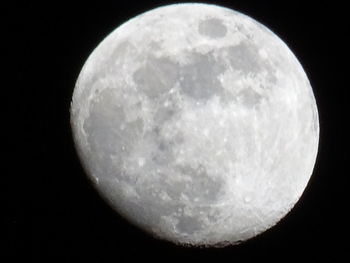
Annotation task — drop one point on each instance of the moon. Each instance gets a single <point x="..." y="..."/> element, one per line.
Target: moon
<point x="196" y="123"/>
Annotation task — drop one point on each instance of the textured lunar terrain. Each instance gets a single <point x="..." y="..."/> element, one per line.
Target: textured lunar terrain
<point x="196" y="123"/>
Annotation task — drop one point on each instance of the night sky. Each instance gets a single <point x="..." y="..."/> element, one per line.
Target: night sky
<point x="52" y="213"/>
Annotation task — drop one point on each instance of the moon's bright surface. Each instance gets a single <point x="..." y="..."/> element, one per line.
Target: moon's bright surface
<point x="196" y="123"/>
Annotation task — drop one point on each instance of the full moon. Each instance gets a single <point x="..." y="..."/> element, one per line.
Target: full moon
<point x="196" y="123"/>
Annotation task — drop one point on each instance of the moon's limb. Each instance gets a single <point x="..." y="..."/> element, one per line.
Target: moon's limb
<point x="196" y="123"/>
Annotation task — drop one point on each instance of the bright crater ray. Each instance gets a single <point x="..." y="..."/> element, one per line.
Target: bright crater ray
<point x="196" y="123"/>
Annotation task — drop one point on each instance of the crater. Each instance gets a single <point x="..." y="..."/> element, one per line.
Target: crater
<point x="213" y="28"/>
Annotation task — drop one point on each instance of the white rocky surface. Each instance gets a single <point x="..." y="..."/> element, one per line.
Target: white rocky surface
<point x="196" y="123"/>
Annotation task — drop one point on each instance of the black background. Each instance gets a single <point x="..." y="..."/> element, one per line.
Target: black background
<point x="53" y="212"/>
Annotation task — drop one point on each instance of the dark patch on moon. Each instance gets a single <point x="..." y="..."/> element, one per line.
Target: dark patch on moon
<point x="203" y="187"/>
<point x="199" y="79"/>
<point x="249" y="98"/>
<point x="157" y="76"/>
<point x="167" y="108"/>
<point x="212" y="27"/>
<point x="161" y="152"/>
<point x="188" y="225"/>
<point x="106" y="127"/>
<point x="244" y="57"/>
